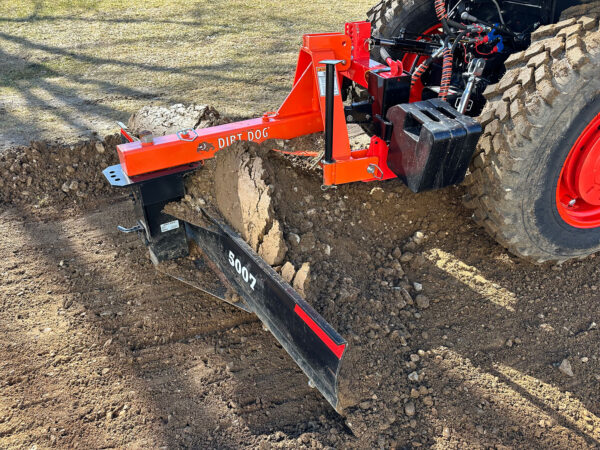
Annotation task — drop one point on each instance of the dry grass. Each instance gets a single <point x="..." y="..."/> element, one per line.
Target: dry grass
<point x="67" y="67"/>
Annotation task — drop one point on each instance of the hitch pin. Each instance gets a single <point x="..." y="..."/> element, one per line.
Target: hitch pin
<point x="376" y="171"/>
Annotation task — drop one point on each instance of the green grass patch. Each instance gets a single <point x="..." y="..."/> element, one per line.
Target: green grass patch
<point x="237" y="55"/>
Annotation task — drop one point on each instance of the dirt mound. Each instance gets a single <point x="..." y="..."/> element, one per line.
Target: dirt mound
<point x="52" y="173"/>
<point x="47" y="173"/>
<point x="161" y="120"/>
<point x="340" y="249"/>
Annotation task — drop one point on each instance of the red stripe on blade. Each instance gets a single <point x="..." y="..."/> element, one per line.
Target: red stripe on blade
<point x="338" y="350"/>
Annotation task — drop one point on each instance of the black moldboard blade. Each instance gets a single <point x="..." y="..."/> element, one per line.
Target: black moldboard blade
<point x="315" y="346"/>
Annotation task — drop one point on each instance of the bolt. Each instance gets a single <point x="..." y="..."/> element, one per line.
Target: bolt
<point x="572" y="202"/>
<point x="146" y="137"/>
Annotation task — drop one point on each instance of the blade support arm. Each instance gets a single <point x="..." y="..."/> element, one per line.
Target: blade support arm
<point x="164" y="152"/>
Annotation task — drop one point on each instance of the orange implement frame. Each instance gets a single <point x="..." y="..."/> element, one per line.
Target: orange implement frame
<point x="302" y="113"/>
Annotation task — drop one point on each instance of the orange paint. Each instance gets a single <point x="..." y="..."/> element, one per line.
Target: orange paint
<point x="302" y="113"/>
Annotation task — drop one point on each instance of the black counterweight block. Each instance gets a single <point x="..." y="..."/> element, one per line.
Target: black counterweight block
<point x="432" y="144"/>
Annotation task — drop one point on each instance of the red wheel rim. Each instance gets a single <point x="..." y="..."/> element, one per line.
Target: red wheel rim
<point x="578" y="190"/>
<point x="411" y="61"/>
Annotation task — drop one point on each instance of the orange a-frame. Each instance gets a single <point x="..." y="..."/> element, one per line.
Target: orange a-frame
<point x="303" y="112"/>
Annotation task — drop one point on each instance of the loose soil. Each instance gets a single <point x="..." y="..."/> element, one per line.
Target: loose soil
<point x="455" y="343"/>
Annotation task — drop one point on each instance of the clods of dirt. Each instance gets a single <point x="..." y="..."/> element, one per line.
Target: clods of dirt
<point x="453" y="343"/>
<point x="161" y="121"/>
<point x="54" y="173"/>
<point x="245" y="200"/>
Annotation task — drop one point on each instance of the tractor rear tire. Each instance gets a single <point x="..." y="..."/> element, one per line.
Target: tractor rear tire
<point x="533" y="117"/>
<point x="388" y="17"/>
<point x="590" y="8"/>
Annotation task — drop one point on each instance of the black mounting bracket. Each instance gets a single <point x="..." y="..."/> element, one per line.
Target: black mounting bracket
<point x="164" y="235"/>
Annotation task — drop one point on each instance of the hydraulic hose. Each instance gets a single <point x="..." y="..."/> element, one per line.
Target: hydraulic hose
<point x="446" y="74"/>
<point x="419" y="71"/>
<point x="442" y="15"/>
<point x="384" y="53"/>
<point x="440" y="10"/>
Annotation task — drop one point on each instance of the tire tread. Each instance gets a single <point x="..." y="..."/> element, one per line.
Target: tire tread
<point x="512" y="131"/>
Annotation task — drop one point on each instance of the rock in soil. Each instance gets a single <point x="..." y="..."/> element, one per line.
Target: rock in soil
<point x="565" y="367"/>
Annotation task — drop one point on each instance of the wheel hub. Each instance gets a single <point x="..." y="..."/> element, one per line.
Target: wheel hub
<point x="589" y="175"/>
<point x="578" y="190"/>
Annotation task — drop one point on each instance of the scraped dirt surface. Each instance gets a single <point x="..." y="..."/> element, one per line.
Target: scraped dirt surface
<point x="455" y="343"/>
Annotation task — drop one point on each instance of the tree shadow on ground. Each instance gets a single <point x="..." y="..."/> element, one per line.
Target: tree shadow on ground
<point x="501" y="326"/>
<point x="199" y="374"/>
<point x="56" y="97"/>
